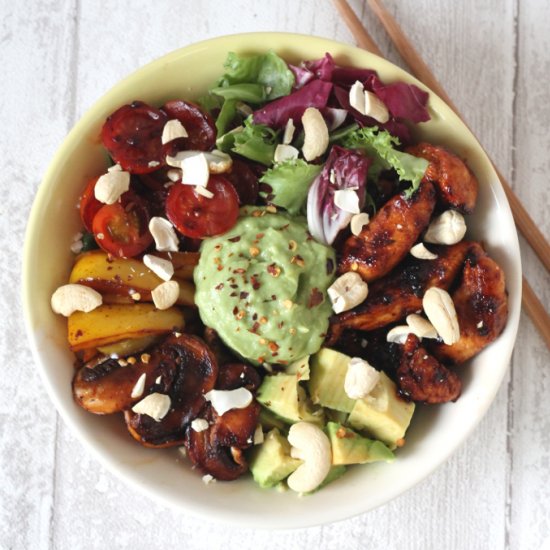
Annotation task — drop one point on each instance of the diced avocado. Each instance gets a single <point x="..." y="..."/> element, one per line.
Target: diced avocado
<point x="268" y="420"/>
<point x="334" y="473"/>
<point x="271" y="462"/>
<point x="326" y="384"/>
<point x="382" y="414"/>
<point x="300" y="368"/>
<point x="283" y="396"/>
<point x="348" y="447"/>
<point x="336" y="416"/>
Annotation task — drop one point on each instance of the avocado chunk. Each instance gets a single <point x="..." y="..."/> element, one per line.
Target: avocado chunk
<point x="300" y="368"/>
<point x="334" y="473"/>
<point x="282" y="395"/>
<point x="348" y="447"/>
<point x="271" y="462"/>
<point x="382" y="414"/>
<point x="326" y="383"/>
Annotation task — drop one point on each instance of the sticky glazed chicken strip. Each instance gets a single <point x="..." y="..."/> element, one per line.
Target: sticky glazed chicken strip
<point x="481" y="305"/>
<point x="389" y="236"/>
<point x="455" y="184"/>
<point x="399" y="294"/>
<point x="421" y="377"/>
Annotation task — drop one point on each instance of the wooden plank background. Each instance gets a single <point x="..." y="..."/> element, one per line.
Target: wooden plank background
<point x="58" y="57"/>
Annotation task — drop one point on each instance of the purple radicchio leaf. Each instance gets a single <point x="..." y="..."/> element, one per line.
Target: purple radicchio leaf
<point x="404" y="101"/>
<point x="276" y="114"/>
<point x="344" y="169"/>
<point x="322" y="68"/>
<point x="302" y="76"/>
<point x="394" y="127"/>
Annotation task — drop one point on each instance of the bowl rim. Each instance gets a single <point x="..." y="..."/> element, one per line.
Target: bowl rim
<point x="233" y="517"/>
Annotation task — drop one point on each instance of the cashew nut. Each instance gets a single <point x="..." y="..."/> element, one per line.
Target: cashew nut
<point x="155" y="405"/>
<point x="361" y="378"/>
<point x="347" y="200"/>
<point x="310" y="444"/>
<point x="285" y="152"/>
<point x="172" y="130"/>
<point x="358" y="222"/>
<point x="422" y="253"/>
<point x="348" y="291"/>
<point x="166" y="294"/>
<point x="164" y="234"/>
<point x="398" y="334"/>
<point x="315" y="134"/>
<point x="110" y="186"/>
<point x="440" y="309"/>
<point x="225" y="400"/>
<point x="375" y="108"/>
<point x="289" y="132"/>
<point x="448" y="228"/>
<point x="420" y="326"/>
<point x="159" y="266"/>
<point x="73" y="297"/>
<point x="218" y="162"/>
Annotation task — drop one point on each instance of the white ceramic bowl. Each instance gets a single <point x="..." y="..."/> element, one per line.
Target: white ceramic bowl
<point x="435" y="431"/>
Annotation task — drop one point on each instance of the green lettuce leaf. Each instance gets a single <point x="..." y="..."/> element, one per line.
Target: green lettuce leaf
<point x="268" y="70"/>
<point x="379" y="146"/>
<point x="210" y="102"/>
<point x="290" y="181"/>
<point x="226" y="115"/>
<point x="254" y="141"/>
<point x="247" y="92"/>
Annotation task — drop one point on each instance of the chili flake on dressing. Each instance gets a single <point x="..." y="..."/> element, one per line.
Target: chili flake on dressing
<point x="272" y="272"/>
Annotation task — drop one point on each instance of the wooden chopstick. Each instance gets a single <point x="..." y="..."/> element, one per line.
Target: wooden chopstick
<point x="409" y="54"/>
<point x="531" y="304"/>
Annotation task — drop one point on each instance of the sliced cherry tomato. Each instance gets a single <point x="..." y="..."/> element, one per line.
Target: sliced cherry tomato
<point x="199" y="125"/>
<point x="245" y="182"/>
<point x="132" y="135"/>
<point x="89" y="205"/>
<point x="196" y="216"/>
<point x="121" y="229"/>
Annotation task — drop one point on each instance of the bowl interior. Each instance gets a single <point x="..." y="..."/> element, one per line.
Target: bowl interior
<point x="435" y="432"/>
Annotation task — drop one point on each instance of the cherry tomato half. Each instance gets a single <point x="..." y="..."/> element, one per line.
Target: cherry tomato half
<point x="121" y="229"/>
<point x="89" y="205"/>
<point x="132" y="135"/>
<point x="196" y="216"/>
<point x="200" y="127"/>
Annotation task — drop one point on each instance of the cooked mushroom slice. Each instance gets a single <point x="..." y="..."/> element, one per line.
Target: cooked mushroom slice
<point x="103" y="386"/>
<point x="217" y="346"/>
<point x="455" y="184"/>
<point x="396" y="296"/>
<point x="236" y="427"/>
<point x="235" y="375"/>
<point x="481" y="305"/>
<point x="421" y="377"/>
<point x="186" y="370"/>
<point x="209" y="450"/>
<point x="389" y="236"/>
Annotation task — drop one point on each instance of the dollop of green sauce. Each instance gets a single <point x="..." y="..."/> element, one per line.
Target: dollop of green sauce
<point x="263" y="287"/>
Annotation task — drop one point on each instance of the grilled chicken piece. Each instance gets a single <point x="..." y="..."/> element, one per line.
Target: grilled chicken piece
<point x="481" y="305"/>
<point x="421" y="377"/>
<point x="387" y="239"/>
<point x="455" y="184"/>
<point x="399" y="294"/>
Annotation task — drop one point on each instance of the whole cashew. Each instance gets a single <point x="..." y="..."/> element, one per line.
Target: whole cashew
<point x="310" y="444"/>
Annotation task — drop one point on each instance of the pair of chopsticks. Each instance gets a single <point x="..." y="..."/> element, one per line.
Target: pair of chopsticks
<point x="531" y="304"/>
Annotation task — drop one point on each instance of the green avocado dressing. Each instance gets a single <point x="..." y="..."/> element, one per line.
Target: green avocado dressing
<point x="262" y="286"/>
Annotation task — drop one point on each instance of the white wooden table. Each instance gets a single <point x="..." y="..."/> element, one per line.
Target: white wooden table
<point x="58" y="57"/>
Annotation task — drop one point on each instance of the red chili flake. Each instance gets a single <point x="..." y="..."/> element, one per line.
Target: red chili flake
<point x="235" y="239"/>
<point x="109" y="267"/>
<point x="259" y="235"/>
<point x="233" y="294"/>
<point x="261" y="359"/>
<point x="239" y="270"/>
<point x="235" y="310"/>
<point x="274" y="270"/>
<point x="243" y="295"/>
<point x="218" y="247"/>
<point x="219" y="287"/>
<point x="255" y="316"/>
<point x="78" y="333"/>
<point x="283" y="227"/>
<point x="316" y="297"/>
<point x="273" y="347"/>
<point x="255" y="327"/>
<point x="240" y="315"/>
<point x="281" y="324"/>
<point x="220" y="267"/>
<point x="255" y="283"/>
<point x="233" y="286"/>
<point x="298" y="260"/>
<point x="117" y="278"/>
